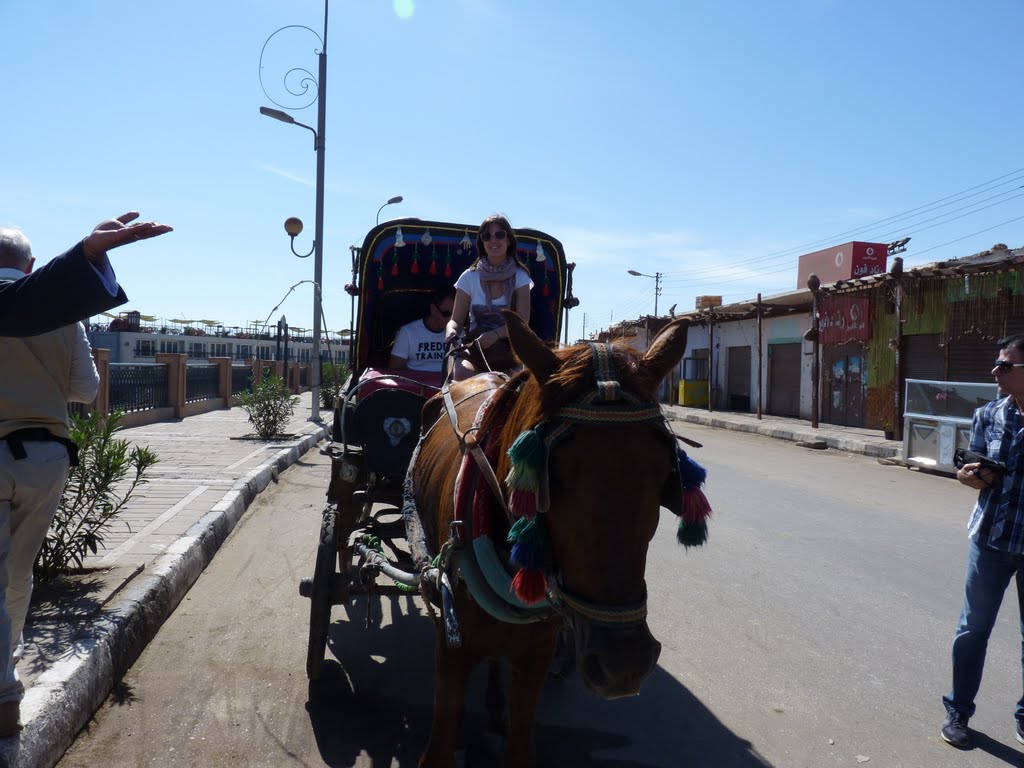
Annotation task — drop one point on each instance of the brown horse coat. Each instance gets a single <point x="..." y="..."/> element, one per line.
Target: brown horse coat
<point x="605" y="482"/>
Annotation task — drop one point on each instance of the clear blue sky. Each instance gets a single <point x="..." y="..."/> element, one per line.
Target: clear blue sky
<point x="710" y="141"/>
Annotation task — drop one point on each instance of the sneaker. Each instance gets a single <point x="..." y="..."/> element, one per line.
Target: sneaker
<point x="10" y="718"/>
<point x="1020" y="732"/>
<point x="954" y="731"/>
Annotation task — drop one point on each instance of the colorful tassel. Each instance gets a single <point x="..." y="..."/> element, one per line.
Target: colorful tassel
<point x="523" y="503"/>
<point x="529" y="586"/>
<point x="691" y="474"/>
<point x="528" y="449"/>
<point x="696" y="507"/>
<point x="692" y="534"/>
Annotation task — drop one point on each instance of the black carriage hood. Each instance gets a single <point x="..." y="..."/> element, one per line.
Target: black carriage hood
<point x="403" y="261"/>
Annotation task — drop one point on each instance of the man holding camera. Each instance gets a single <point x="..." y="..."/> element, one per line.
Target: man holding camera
<point x="996" y="532"/>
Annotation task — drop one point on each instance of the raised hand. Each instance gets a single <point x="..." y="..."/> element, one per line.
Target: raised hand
<point x="113" y="233"/>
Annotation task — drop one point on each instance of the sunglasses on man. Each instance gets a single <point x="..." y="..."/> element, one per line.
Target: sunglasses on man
<point x="1006" y="365"/>
<point x="499" y="234"/>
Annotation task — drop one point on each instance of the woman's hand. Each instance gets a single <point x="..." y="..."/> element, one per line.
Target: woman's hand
<point x="488" y="339"/>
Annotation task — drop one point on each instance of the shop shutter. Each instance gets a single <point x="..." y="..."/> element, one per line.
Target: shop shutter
<point x="923" y="358"/>
<point x="971" y="361"/>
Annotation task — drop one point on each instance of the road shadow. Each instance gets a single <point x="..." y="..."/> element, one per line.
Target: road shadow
<point x="374" y="697"/>
<point x="1004" y="752"/>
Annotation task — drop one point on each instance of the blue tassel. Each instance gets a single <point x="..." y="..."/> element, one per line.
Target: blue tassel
<point x="691" y="474"/>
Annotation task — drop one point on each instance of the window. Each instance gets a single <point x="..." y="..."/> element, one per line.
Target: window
<point x="196" y="350"/>
<point x="174" y="347"/>
<point x="145" y="348"/>
<point x="243" y="351"/>
<point x="218" y="349"/>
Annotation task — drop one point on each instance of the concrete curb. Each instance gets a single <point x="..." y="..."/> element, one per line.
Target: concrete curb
<point x="63" y="699"/>
<point x="850" y="445"/>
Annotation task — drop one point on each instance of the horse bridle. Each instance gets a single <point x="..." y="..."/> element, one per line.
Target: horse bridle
<point x="606" y="404"/>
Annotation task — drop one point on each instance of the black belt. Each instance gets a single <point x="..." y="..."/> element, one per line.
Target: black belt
<point x="15" y="441"/>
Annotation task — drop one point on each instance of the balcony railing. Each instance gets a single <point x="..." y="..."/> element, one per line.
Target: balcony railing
<point x="137" y="386"/>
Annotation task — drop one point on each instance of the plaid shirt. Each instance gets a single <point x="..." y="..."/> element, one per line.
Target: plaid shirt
<point x="998" y="516"/>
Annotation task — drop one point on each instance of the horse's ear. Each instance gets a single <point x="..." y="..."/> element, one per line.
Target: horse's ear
<point x="533" y="352"/>
<point x="666" y="350"/>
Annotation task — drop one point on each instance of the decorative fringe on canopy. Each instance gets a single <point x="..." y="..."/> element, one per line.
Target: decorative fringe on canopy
<point x="693" y="525"/>
<point x="531" y="548"/>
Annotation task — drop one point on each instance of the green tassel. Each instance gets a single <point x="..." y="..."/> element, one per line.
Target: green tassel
<point x="692" y="534"/>
<point x="528" y="449"/>
<point x="523" y="478"/>
<point x="527" y="530"/>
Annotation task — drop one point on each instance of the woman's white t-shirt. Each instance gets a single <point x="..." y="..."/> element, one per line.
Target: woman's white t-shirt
<point x="479" y="317"/>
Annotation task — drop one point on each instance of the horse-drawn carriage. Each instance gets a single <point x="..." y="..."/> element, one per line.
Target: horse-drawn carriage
<point x="516" y="506"/>
<point x="377" y="420"/>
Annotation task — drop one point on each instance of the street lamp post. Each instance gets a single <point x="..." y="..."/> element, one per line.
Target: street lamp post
<point x="318" y="236"/>
<point x="391" y="201"/>
<point x="656" y="277"/>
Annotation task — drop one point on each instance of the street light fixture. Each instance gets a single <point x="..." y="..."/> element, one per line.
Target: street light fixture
<point x="296" y="225"/>
<point x="656" y="277"/>
<point x="392" y="201"/>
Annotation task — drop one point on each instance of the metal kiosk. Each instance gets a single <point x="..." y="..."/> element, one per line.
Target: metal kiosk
<point x="937" y="420"/>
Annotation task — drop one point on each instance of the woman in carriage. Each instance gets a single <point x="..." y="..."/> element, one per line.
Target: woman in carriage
<point x="496" y="280"/>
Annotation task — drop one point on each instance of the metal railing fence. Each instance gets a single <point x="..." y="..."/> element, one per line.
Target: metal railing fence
<point x="137" y="386"/>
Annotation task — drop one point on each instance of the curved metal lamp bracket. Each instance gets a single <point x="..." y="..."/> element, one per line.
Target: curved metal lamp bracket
<point x="298" y="81"/>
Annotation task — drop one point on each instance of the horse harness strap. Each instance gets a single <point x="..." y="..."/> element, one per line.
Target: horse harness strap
<point x="469" y="441"/>
<point x="16" y="442"/>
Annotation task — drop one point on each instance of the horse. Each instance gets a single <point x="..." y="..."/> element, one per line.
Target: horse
<point x="580" y="442"/>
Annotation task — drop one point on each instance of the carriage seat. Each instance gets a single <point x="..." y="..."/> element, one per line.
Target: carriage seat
<point x="383" y="378"/>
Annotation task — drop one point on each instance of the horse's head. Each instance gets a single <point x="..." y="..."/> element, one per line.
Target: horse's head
<point x="608" y="469"/>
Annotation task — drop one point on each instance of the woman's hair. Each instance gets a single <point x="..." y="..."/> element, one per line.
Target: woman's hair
<point x="510" y="237"/>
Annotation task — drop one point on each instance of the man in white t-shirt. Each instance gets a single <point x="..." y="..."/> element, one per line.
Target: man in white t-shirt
<point x="419" y="345"/>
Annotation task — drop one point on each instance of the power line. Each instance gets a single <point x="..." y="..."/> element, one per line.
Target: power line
<point x="934" y="205"/>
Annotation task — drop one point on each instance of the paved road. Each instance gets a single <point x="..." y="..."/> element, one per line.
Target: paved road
<point x="813" y="631"/>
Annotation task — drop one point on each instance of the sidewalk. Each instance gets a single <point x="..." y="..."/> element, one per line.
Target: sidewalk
<point x="869" y="442"/>
<point x="78" y="645"/>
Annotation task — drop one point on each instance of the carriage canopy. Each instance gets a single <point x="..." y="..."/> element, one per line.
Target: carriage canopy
<point x="403" y="261"/>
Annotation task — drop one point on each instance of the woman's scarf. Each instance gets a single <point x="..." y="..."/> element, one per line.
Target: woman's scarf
<point x="504" y="274"/>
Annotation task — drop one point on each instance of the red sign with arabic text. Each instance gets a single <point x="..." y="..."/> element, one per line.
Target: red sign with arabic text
<point x="844" y="318"/>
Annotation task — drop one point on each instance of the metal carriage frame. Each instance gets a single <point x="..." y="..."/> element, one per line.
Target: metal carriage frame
<point x="395" y="272"/>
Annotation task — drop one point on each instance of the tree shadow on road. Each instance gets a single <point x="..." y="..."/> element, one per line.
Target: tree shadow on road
<point x="374" y="698"/>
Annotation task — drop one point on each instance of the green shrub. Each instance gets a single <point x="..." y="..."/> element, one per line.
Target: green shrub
<point x="91" y="500"/>
<point x="269" y="404"/>
<point x="334" y="376"/>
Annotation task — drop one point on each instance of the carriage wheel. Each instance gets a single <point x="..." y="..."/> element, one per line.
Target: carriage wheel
<point x="321" y="592"/>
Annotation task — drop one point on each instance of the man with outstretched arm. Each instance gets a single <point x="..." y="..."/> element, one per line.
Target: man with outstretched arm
<point x="74" y="286"/>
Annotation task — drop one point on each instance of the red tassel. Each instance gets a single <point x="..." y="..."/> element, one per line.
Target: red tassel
<point x="523" y="504"/>
<point x="433" y="268"/>
<point x="546" y="291"/>
<point x="447" y="270"/>
<point x="529" y="586"/>
<point x="380" y="283"/>
<point x="394" y="269"/>
<point x="696" y="507"/>
<point x="415" y="268"/>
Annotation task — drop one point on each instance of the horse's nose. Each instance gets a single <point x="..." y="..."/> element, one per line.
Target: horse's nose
<point x="616" y="662"/>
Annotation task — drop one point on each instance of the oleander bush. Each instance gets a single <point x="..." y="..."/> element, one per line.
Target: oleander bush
<point x="94" y="494"/>
<point x="333" y="378"/>
<point x="269" y="404"/>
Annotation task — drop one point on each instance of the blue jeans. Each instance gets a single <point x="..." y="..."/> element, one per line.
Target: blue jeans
<point x="988" y="575"/>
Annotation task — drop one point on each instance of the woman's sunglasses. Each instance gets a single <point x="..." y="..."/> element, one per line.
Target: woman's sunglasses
<point x="1006" y="365"/>
<point x="499" y="234"/>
